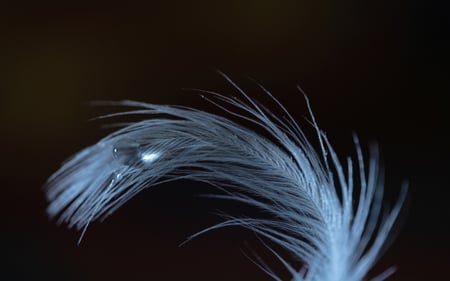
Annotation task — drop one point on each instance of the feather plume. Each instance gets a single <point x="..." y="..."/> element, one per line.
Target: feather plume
<point x="317" y="214"/>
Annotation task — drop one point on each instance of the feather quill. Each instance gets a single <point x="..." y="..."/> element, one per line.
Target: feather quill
<point x="317" y="214"/>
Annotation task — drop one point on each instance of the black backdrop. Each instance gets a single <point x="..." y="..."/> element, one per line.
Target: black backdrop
<point x="377" y="68"/>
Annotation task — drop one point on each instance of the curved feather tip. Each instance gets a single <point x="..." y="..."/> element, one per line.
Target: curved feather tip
<point x="319" y="216"/>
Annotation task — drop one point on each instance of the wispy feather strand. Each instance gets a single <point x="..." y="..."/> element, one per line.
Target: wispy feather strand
<point x="309" y="195"/>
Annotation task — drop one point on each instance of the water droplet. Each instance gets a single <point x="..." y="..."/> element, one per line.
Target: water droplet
<point x="126" y="151"/>
<point x="115" y="177"/>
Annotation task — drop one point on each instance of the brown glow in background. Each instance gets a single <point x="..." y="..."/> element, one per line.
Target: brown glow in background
<point x="377" y="68"/>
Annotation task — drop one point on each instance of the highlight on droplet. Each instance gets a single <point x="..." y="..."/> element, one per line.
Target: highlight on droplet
<point x="149" y="156"/>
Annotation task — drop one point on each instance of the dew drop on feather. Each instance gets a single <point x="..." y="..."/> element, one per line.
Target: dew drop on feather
<point x="126" y="151"/>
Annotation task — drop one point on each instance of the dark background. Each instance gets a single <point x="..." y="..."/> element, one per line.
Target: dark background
<point x="377" y="68"/>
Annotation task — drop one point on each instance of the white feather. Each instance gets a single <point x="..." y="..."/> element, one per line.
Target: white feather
<point x="311" y="200"/>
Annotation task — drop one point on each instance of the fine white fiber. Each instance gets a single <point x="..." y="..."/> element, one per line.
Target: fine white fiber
<point x="326" y="214"/>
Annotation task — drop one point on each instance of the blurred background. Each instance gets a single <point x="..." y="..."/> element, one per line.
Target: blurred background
<point x="377" y="68"/>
